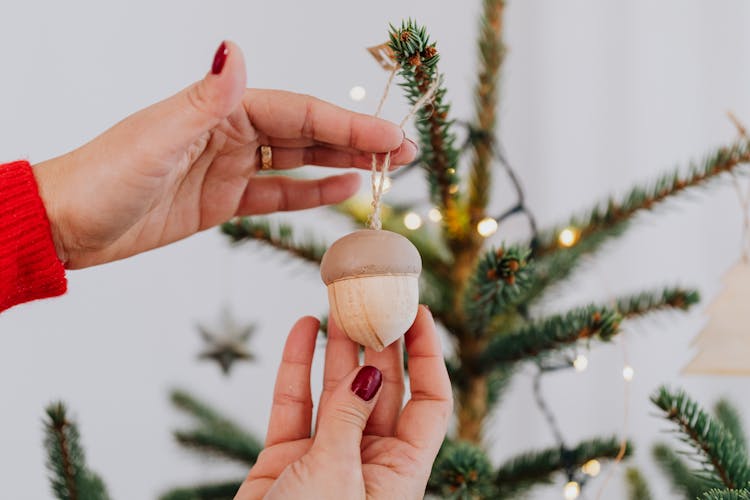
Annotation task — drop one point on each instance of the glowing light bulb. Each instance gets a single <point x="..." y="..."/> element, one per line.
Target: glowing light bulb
<point x="592" y="468"/>
<point x="580" y="363"/>
<point x="628" y="373"/>
<point x="435" y="215"/>
<point x="568" y="237"/>
<point x="412" y="221"/>
<point x="453" y="189"/>
<point x="357" y="93"/>
<point x="571" y="490"/>
<point x="487" y="226"/>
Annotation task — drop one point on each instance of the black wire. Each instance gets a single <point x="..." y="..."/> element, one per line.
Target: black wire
<point x="520" y="194"/>
<point x="509" y="213"/>
<point x="544" y="408"/>
<point x="476" y="135"/>
<point x="567" y="457"/>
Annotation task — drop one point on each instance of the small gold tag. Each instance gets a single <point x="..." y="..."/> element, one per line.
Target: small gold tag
<point x="384" y="56"/>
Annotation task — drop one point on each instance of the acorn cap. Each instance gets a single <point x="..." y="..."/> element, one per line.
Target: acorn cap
<point x="370" y="252"/>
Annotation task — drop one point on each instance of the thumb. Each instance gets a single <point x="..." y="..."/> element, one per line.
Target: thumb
<point x="187" y="115"/>
<point x="345" y="414"/>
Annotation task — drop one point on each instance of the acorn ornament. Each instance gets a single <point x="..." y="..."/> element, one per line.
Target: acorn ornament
<point x="373" y="285"/>
<point x="372" y="275"/>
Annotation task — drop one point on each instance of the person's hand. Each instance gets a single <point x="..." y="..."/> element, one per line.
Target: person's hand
<point x="365" y="446"/>
<point x="188" y="163"/>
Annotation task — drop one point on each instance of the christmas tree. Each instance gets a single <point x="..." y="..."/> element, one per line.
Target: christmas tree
<point x="486" y="298"/>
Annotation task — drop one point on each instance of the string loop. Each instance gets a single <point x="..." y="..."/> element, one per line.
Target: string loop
<point x="379" y="173"/>
<point x="744" y="199"/>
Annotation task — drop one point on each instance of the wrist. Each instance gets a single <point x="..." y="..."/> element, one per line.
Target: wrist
<point x="47" y="175"/>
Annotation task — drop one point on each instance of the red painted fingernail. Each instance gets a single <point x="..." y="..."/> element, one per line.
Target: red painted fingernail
<point x="367" y="382"/>
<point x="220" y="58"/>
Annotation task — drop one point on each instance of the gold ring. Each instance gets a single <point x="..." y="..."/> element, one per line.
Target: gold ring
<point x="266" y="158"/>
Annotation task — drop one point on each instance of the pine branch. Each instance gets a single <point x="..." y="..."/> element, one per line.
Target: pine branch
<point x="715" y="447"/>
<point x="496" y="286"/>
<point x="637" y="486"/>
<point x="648" y="302"/>
<point x="543" y="336"/>
<point x="555" y="267"/>
<point x="462" y="471"/>
<point x="689" y="483"/>
<point x="215" y="434"/>
<point x="216" y="491"/>
<point x="491" y="55"/>
<point x="69" y="477"/>
<point x="525" y="471"/>
<point x="613" y="213"/>
<point x="221" y="442"/>
<point x="280" y="236"/>
<point x="206" y="415"/>
<point x="730" y="418"/>
<point x="717" y="494"/>
<point x="497" y="382"/>
<point x="417" y="58"/>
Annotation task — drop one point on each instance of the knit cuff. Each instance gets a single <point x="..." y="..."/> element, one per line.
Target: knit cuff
<point x="29" y="266"/>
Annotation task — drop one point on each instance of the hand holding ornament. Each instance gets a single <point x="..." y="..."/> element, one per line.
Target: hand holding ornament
<point x="190" y="162"/>
<point x="366" y="444"/>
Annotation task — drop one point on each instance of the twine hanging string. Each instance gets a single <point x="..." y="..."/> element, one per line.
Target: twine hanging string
<point x="744" y="199"/>
<point x="743" y="196"/>
<point x="380" y="172"/>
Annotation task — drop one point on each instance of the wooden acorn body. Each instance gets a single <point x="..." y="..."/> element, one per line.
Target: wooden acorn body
<point x="373" y="285"/>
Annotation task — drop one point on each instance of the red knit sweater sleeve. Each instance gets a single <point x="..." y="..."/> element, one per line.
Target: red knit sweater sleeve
<point x="29" y="266"/>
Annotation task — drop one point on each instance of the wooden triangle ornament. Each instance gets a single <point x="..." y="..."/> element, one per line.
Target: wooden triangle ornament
<point x="724" y="343"/>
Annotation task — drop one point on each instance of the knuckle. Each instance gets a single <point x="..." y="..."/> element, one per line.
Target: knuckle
<point x="445" y="410"/>
<point x="330" y="382"/>
<point x="350" y="414"/>
<point x="199" y="100"/>
<point x="308" y="122"/>
<point x="291" y="399"/>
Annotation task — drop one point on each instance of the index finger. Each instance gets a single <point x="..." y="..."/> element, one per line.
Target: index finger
<point x="342" y="356"/>
<point x="424" y="421"/>
<point x="291" y="413"/>
<point x="286" y="115"/>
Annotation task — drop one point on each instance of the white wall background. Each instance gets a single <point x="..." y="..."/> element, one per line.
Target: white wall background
<point x="596" y="95"/>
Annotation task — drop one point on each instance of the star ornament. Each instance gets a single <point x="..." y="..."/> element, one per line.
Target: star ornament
<point x="227" y="344"/>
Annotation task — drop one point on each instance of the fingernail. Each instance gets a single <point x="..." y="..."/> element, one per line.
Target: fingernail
<point x="416" y="146"/>
<point x="367" y="382"/>
<point x="220" y="58"/>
